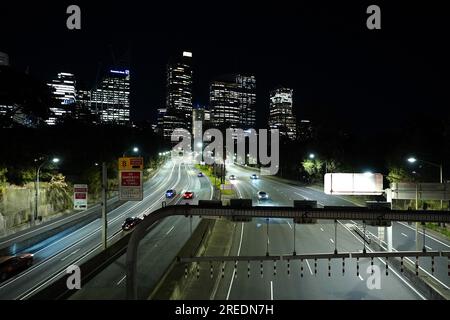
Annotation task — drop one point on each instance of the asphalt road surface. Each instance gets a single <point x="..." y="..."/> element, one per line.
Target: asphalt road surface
<point x="55" y="256"/>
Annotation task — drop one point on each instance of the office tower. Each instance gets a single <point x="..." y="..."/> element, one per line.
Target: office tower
<point x="233" y="101"/>
<point x="179" y="90"/>
<point x="63" y="92"/>
<point x="281" y="116"/>
<point x="111" y="99"/>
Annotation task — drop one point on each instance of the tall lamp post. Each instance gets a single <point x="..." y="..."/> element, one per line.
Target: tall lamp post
<point x="413" y="160"/>
<point x="44" y="162"/>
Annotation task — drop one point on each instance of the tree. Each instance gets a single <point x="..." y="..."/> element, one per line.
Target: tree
<point x="398" y="174"/>
<point x="58" y="194"/>
<point x="313" y="168"/>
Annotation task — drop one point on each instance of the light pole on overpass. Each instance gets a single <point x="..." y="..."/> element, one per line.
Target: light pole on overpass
<point x="45" y="161"/>
<point x="413" y="160"/>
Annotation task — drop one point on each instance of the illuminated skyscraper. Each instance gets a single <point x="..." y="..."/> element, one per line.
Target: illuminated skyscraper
<point x="179" y="87"/>
<point x="233" y="101"/>
<point x="281" y="116"/>
<point x="63" y="91"/>
<point x="111" y="99"/>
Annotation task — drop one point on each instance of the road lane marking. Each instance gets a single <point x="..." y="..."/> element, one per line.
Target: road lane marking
<point x="362" y="279"/>
<point x="405" y="235"/>
<point x="321" y="229"/>
<point x="332" y="241"/>
<point x="438" y="241"/>
<point x="309" y="267"/>
<point x="170" y="230"/>
<point x="238" y="253"/>
<point x="429" y="248"/>
<point x="271" y="290"/>
<point x="381" y="260"/>
<point x="70" y="254"/>
<point x="408" y="259"/>
<point x="290" y="226"/>
<point x="121" y="280"/>
<point x="83" y="238"/>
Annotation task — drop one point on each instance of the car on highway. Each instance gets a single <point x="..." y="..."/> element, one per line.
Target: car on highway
<point x="254" y="177"/>
<point x="130" y="223"/>
<point x="232" y="177"/>
<point x="11" y="265"/>
<point x="262" y="195"/>
<point x="171" y="193"/>
<point x="188" y="195"/>
<point x="200" y="174"/>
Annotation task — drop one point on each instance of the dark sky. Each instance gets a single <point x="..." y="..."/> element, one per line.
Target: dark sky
<point x="323" y="50"/>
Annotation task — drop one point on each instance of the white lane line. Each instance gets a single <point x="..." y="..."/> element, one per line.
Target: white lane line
<point x="238" y="253"/>
<point x="438" y="241"/>
<point x="382" y="261"/>
<point x="170" y="230"/>
<point x="362" y="279"/>
<point x="405" y="235"/>
<point x="70" y="254"/>
<point x="87" y="236"/>
<point x="332" y="241"/>
<point x="408" y="259"/>
<point x="429" y="248"/>
<point x="309" y="267"/>
<point x="271" y="290"/>
<point x="321" y="229"/>
<point x="121" y="280"/>
<point x="290" y="226"/>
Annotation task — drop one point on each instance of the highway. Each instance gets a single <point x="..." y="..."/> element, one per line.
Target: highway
<point x="251" y="239"/>
<point x="163" y="242"/>
<point x="52" y="259"/>
<point x="156" y="251"/>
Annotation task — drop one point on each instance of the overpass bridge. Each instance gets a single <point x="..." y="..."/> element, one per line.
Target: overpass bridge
<point x="301" y="212"/>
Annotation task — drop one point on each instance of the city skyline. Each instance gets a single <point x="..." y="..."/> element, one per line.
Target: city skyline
<point x="310" y="55"/>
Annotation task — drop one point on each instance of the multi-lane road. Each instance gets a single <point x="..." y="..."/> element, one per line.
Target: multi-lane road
<point x="163" y="242"/>
<point x="67" y="248"/>
<point x="251" y="239"/>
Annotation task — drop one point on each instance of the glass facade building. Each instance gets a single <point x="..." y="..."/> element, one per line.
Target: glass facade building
<point x="281" y="115"/>
<point x="233" y="101"/>
<point x="64" y="94"/>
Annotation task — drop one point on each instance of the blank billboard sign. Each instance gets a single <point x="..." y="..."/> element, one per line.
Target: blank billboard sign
<point x="353" y="183"/>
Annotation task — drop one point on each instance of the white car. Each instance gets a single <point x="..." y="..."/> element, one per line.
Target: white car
<point x="262" y="195"/>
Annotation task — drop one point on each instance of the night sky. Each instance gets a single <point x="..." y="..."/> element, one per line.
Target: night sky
<point x="337" y="67"/>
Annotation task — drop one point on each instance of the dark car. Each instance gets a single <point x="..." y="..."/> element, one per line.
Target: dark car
<point x="200" y="174"/>
<point x="188" y="195"/>
<point x="262" y="195"/>
<point x="254" y="177"/>
<point x="130" y="223"/>
<point x="11" y="265"/>
<point x="171" y="193"/>
<point x="232" y="177"/>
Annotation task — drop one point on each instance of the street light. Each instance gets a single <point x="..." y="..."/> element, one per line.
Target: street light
<point x="44" y="162"/>
<point x="134" y="149"/>
<point x="414" y="160"/>
<point x="312" y="156"/>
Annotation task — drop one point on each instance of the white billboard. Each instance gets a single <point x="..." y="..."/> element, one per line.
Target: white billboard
<point x="353" y="183"/>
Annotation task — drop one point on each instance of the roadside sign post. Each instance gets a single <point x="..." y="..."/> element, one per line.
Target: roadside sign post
<point x="130" y="179"/>
<point x="80" y="196"/>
